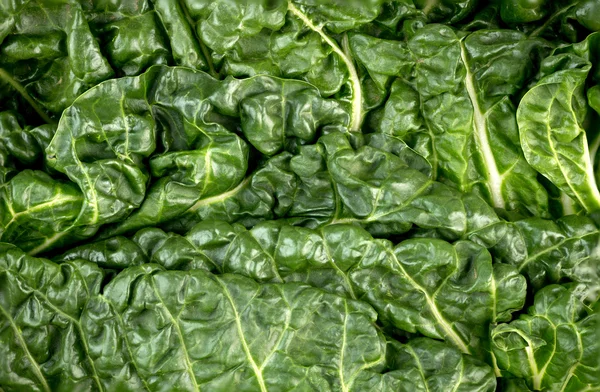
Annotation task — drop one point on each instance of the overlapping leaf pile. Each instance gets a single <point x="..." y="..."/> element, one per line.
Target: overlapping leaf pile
<point x="299" y="195"/>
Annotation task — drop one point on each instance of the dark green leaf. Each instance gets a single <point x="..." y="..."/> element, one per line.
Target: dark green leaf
<point x="555" y="347"/>
<point x="150" y="329"/>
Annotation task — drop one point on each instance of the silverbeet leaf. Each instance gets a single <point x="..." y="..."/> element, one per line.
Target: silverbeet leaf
<point x="151" y="329"/>
<point x="18" y="145"/>
<point x="445" y="11"/>
<point x="545" y="251"/>
<point x="451" y="101"/>
<point x="379" y="191"/>
<point x="449" y="292"/>
<point x="381" y="185"/>
<point x="551" y="123"/>
<point x="428" y="365"/>
<point x="37" y="209"/>
<point x="149" y="148"/>
<point x="555" y="346"/>
<point x="52" y="52"/>
<point x="274" y="115"/>
<point x="567" y="249"/>
<point x="300" y="195"/>
<point x="292" y="39"/>
<point x="131" y="35"/>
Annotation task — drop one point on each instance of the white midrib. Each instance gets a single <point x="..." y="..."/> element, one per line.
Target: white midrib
<point x="567" y="203"/>
<point x="92" y="189"/>
<point x="481" y="136"/>
<point x="434" y="311"/>
<point x="49" y="242"/>
<point x="221" y="197"/>
<point x="41" y="206"/>
<point x="356" y="118"/>
<point x="497" y="370"/>
<point x="126" y="340"/>
<point x="333" y="263"/>
<point x="429" y="4"/>
<point x="594" y="146"/>
<point x="341" y="364"/>
<point x="445" y="326"/>
<point x="240" y="331"/>
<point x="537" y="377"/>
<point x="574" y="366"/>
<point x="590" y="175"/>
<point x="207" y="167"/>
<point x="462" y="373"/>
<point x="530" y="358"/>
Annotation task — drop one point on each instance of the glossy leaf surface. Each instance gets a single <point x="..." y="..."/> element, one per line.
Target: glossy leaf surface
<point x="555" y="345"/>
<point x="452" y="101"/>
<point x="551" y="117"/>
<point x="147" y="329"/>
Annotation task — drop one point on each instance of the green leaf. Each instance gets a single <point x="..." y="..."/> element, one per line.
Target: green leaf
<point x="378" y="190"/>
<point x="135" y="43"/>
<point x="587" y="13"/>
<point x="273" y="114"/>
<point x="149" y="328"/>
<point x="555" y="346"/>
<point x="452" y="103"/>
<point x="568" y="248"/>
<point x="222" y="23"/>
<point x="17" y="145"/>
<point x="62" y="57"/>
<point x="37" y="210"/>
<point x="184" y="131"/>
<point x="428" y="365"/>
<point x="444" y="291"/>
<point x="551" y="116"/>
<point x="383" y="186"/>
<point x="450" y="11"/>
<point x="184" y="45"/>
<point x="519" y="11"/>
<point x="286" y="38"/>
<point x="114" y="253"/>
